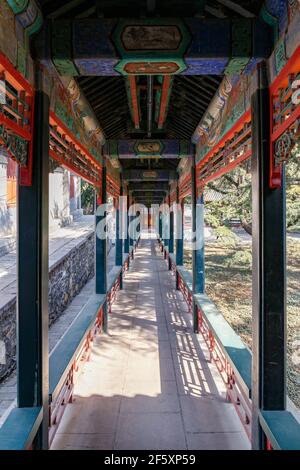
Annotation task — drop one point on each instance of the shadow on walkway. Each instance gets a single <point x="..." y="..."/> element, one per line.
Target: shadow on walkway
<point x="149" y="383"/>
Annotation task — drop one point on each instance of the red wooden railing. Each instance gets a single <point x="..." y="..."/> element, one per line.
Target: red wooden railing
<point x="16" y="117"/>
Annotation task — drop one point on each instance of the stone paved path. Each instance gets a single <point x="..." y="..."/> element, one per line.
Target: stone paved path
<point x="149" y="384"/>
<point x="61" y="242"/>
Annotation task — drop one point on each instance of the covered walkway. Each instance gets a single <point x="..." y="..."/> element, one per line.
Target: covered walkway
<point x="149" y="383"/>
<point x="151" y="104"/>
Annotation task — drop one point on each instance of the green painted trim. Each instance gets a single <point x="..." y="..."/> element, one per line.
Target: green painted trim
<point x="241" y="46"/>
<point x="67" y="348"/>
<point x="238" y="354"/>
<point x="18" y="6"/>
<point x="21" y="59"/>
<point x="184" y="148"/>
<point x="36" y="25"/>
<point x="280" y="55"/>
<point x="270" y="20"/>
<point x="61" y="39"/>
<point x="20" y="428"/>
<point x="113" y="149"/>
<point x="281" y="428"/>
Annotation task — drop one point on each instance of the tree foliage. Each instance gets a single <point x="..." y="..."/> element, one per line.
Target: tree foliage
<point x="234" y="202"/>
<point x="87" y="197"/>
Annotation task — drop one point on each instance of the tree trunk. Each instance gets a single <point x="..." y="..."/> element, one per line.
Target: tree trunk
<point x="247" y="227"/>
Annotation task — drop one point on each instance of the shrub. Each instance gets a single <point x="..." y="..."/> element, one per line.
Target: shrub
<point x="241" y="258"/>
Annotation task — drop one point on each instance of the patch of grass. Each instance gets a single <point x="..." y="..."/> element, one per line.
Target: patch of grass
<point x="229" y="284"/>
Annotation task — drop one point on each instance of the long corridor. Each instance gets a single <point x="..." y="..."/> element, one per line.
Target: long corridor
<point x="149" y="383"/>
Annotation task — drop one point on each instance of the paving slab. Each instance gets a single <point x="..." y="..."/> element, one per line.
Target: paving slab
<point x="149" y="383"/>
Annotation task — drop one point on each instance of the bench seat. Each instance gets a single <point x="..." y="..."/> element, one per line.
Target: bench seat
<point x="236" y="351"/>
<point x="281" y="428"/>
<point x="20" y="428"/>
<point x="186" y="276"/>
<point x="64" y="353"/>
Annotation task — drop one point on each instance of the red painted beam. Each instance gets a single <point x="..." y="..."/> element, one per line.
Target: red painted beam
<point x="134" y="98"/>
<point x="164" y="100"/>
<point x="74" y="169"/>
<point x="56" y="122"/>
<point x="290" y="70"/>
<point x="25" y="94"/>
<point x="226" y="168"/>
<point x="13" y="76"/>
<point x="245" y="118"/>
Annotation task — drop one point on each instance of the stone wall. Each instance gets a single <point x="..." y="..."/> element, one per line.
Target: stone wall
<point x="66" y="278"/>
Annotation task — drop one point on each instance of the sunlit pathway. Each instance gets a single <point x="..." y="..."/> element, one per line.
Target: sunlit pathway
<point x="149" y="384"/>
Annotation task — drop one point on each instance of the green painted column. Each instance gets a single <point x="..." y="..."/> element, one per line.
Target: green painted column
<point x="119" y="239"/>
<point x="166" y="228"/>
<point x="179" y="237"/>
<point x="100" y="250"/>
<point x="138" y="227"/>
<point x="130" y="220"/>
<point x="160" y="225"/>
<point x="171" y="240"/>
<point x="268" y="270"/>
<point x="126" y="219"/>
<point x="198" y="242"/>
<point x="32" y="279"/>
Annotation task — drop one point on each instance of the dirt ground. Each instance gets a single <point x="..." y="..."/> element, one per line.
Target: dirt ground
<point x="228" y="284"/>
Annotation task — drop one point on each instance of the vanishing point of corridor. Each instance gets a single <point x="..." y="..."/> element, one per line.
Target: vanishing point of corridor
<point x="149" y="383"/>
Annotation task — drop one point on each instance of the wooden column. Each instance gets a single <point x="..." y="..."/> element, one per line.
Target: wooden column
<point x="32" y="277"/>
<point x="179" y="238"/>
<point x="101" y="251"/>
<point x="119" y="229"/>
<point x="160" y="225"/>
<point x="126" y="219"/>
<point x="198" y="242"/>
<point x="171" y="240"/>
<point x="166" y="228"/>
<point x="268" y="270"/>
<point x="130" y="220"/>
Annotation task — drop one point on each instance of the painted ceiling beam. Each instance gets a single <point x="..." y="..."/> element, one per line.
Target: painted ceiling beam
<point x="147" y="194"/>
<point x="149" y="175"/>
<point x="133" y="100"/>
<point x="155" y="46"/>
<point x="65" y="8"/>
<point x="148" y="148"/>
<point x="149" y="202"/>
<point x="236" y="8"/>
<point x="149" y="186"/>
<point x="163" y="100"/>
<point x="214" y="11"/>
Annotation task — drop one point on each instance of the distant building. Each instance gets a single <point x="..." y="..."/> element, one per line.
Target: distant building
<point x="64" y="196"/>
